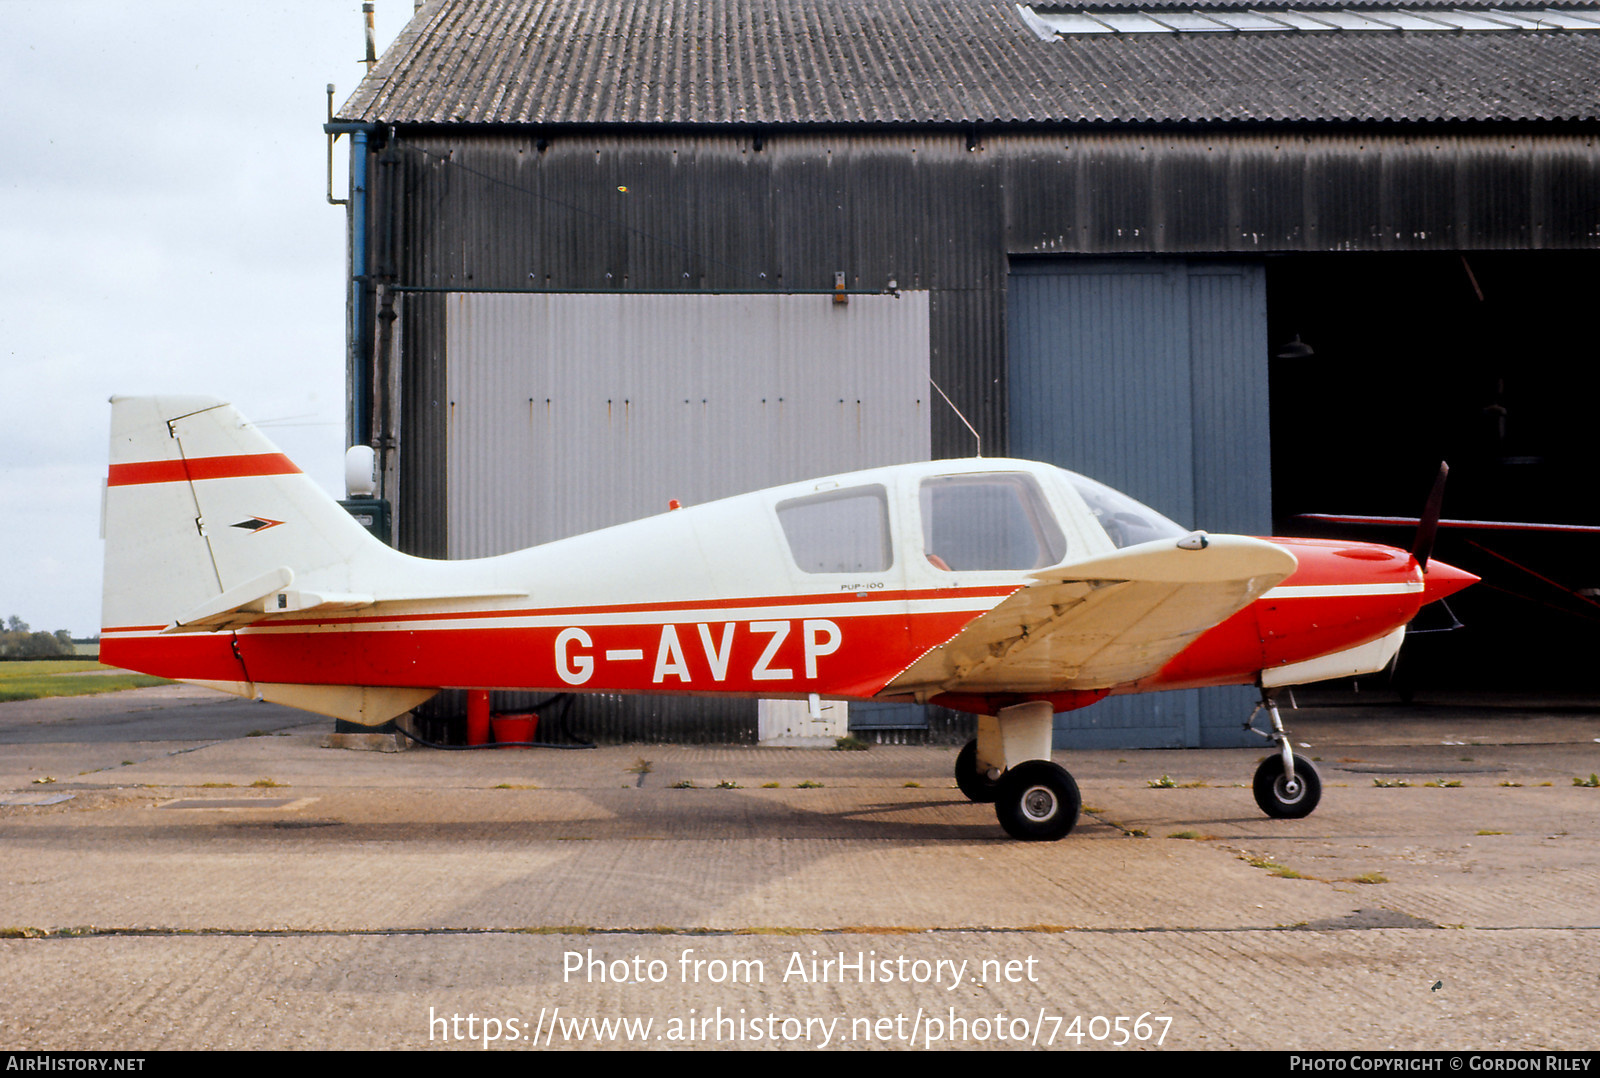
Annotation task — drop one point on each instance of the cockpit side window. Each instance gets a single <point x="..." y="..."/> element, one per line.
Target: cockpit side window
<point x="989" y="520"/>
<point x="1126" y="521"/>
<point x="839" y="531"/>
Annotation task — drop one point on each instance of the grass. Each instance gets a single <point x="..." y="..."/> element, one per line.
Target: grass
<point x="1385" y="784"/>
<point x="1273" y="868"/>
<point x="32" y="679"/>
<point x="1370" y="877"/>
<point x="1592" y="780"/>
<point x="1167" y="782"/>
<point x="850" y="744"/>
<point x="808" y="785"/>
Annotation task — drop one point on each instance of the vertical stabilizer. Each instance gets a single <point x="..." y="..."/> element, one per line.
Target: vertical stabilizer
<point x="207" y="523"/>
<point x="199" y="503"/>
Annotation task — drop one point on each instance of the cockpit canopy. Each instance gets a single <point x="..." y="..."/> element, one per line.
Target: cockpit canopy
<point x="1009" y="518"/>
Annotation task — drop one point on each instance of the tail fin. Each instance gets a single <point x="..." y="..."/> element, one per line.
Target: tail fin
<point x="210" y="527"/>
<point x="201" y="507"/>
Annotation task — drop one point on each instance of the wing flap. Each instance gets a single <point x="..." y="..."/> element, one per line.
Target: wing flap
<point x="1104" y="622"/>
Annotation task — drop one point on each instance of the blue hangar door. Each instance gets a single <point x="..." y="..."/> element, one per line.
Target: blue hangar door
<point x="1149" y="375"/>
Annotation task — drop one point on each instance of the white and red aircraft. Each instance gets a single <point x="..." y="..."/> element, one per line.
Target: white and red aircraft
<point x="1007" y="588"/>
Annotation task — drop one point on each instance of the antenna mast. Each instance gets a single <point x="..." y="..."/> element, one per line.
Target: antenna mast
<point x="976" y="437"/>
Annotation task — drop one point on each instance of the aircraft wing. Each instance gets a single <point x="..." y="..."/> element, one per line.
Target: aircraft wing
<point x="1103" y="622"/>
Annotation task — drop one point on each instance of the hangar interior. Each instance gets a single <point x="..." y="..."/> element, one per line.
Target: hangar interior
<point x="1484" y="359"/>
<point x="1145" y="256"/>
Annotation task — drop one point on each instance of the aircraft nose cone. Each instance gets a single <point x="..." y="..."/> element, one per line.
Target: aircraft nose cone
<point x="1441" y="580"/>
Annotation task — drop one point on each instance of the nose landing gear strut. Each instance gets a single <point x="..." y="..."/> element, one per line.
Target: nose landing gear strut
<point x="1287" y="786"/>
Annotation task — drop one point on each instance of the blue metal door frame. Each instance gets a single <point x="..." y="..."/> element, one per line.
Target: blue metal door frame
<point x="1149" y="375"/>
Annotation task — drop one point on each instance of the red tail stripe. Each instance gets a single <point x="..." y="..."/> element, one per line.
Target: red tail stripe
<point x="178" y="471"/>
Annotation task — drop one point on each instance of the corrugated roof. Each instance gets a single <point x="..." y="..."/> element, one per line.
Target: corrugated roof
<point x="942" y="61"/>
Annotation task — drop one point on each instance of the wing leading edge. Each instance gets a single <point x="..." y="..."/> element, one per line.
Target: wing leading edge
<point x="1104" y="622"/>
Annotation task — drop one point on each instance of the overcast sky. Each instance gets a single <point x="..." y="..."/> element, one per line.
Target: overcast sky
<point x="163" y="228"/>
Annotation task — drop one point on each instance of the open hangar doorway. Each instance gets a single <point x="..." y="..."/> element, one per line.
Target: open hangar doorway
<point x="1381" y="366"/>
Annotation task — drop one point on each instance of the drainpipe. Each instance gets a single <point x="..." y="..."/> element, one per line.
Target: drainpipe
<point x="358" y="331"/>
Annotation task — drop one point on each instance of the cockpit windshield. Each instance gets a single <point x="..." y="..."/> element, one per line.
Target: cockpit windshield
<point x="1126" y="521"/>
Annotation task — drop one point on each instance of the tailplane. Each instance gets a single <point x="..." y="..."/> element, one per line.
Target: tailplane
<point x="210" y="528"/>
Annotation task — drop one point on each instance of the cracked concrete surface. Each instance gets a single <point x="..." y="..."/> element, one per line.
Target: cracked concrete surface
<point x="357" y="899"/>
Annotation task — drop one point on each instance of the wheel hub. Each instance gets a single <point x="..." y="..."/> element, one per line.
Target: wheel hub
<point x="1039" y="803"/>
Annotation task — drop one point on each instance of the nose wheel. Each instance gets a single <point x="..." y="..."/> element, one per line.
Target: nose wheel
<point x="1284" y="795"/>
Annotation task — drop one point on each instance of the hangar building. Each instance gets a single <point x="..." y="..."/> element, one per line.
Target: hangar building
<point x="1242" y="262"/>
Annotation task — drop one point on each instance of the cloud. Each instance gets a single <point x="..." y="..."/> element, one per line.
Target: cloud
<point x="162" y="206"/>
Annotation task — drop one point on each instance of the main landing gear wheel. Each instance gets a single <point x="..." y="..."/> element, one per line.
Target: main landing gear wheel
<point x="977" y="785"/>
<point x="1284" y="798"/>
<point x="1037" y="801"/>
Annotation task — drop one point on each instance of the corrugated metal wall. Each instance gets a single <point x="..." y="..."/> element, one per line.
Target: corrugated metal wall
<point x="572" y="412"/>
<point x="569" y="413"/>
<point x="1150" y="376"/>
<point x="938" y="211"/>
<point x="935" y="210"/>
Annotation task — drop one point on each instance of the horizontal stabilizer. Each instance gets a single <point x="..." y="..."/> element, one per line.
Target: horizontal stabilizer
<point x="270" y="594"/>
<point x="239" y="605"/>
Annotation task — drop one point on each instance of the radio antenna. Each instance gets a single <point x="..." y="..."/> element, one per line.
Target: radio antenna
<point x="976" y="437"/>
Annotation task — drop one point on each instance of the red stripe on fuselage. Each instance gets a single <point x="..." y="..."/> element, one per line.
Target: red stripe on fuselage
<point x="847" y="655"/>
<point x="139" y="473"/>
<point x="996" y="593"/>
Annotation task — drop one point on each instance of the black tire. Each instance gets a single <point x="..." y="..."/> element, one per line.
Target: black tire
<point x="1278" y="798"/>
<point x="1037" y="801"/>
<point x="978" y="787"/>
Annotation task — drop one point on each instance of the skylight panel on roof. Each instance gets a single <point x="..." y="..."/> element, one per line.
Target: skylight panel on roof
<point x="1190" y="21"/>
<point x="1551" y="18"/>
<point x="1247" y="20"/>
<point x="1132" y="22"/>
<point x="1351" y="20"/>
<point x="1299" y="20"/>
<point x="1467" y="20"/>
<point x="1055" y="22"/>
<point x="1410" y="20"/>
